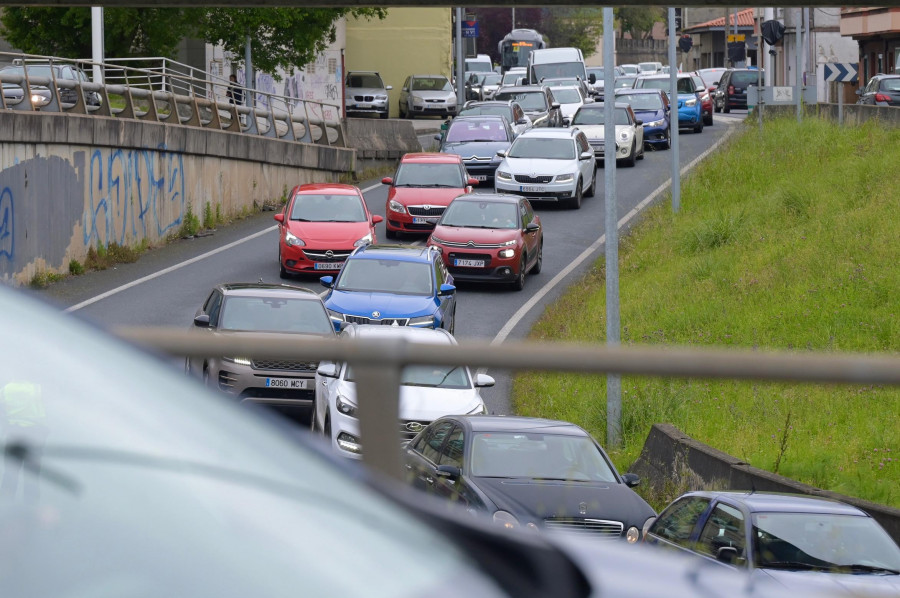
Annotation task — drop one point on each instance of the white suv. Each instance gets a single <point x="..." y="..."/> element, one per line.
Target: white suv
<point x="548" y="165"/>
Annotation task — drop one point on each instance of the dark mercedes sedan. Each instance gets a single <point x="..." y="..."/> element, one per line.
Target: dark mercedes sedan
<point x="529" y="473"/>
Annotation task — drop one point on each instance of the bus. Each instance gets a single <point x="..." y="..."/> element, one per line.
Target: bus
<point x="517" y="46"/>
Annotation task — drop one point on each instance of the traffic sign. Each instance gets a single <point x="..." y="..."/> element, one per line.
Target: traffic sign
<point x="844" y="72"/>
<point x="470" y="28"/>
<point x="737" y="37"/>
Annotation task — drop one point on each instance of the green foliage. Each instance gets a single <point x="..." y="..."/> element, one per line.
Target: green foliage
<point x="220" y="218"/>
<point x="190" y="223"/>
<point x="800" y="254"/>
<point x="43" y="279"/>
<point x="577" y="27"/>
<point x="639" y="20"/>
<point x="209" y="219"/>
<point x="75" y="268"/>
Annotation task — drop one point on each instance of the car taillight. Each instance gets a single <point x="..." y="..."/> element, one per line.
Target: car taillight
<point x="731" y="90"/>
<point x="880" y="97"/>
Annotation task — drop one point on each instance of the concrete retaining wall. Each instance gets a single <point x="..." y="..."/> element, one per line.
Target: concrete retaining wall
<point x="69" y="182"/>
<point x="380" y="143"/>
<point x="669" y="454"/>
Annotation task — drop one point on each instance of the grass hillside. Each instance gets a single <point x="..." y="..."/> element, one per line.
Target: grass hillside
<point x="789" y="240"/>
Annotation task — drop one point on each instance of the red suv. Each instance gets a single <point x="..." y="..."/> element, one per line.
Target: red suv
<point x="422" y="188"/>
<point x="491" y="237"/>
<point x="321" y="224"/>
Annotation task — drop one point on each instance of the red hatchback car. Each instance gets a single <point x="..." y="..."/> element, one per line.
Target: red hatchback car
<point x="321" y="224"/>
<point x="490" y="238"/>
<point x="422" y="188"/>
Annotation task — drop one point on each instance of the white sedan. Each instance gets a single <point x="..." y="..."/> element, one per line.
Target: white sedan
<point x="629" y="131"/>
<point x="426" y="392"/>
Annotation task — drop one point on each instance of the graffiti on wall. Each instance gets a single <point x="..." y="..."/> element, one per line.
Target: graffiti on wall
<point x="7" y="225"/>
<point x="133" y="194"/>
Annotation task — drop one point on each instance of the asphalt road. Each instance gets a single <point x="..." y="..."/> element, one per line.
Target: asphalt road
<point x="168" y="284"/>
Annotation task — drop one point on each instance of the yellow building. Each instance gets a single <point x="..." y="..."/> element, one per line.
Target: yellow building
<point x="409" y="41"/>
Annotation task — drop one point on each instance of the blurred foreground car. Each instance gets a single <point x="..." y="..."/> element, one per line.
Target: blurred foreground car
<point x="810" y="545"/>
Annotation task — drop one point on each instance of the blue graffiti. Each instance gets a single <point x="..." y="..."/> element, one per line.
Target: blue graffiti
<point x="152" y="178"/>
<point x="7" y="225"/>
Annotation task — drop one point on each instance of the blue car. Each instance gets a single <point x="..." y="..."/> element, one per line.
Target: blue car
<point x="652" y="107"/>
<point x="392" y="285"/>
<point x="690" y="110"/>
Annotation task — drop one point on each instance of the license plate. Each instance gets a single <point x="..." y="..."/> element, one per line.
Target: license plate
<point x="469" y="263"/>
<point x="525" y="189"/>
<point x="363" y="105"/>
<point x="425" y="220"/>
<point x="288" y="383"/>
<point x="480" y="177"/>
<point x="328" y="265"/>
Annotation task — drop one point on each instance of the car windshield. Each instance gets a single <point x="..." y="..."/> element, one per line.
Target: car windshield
<point x="365" y="80"/>
<point x="274" y="314"/>
<point x="489" y="110"/>
<point x="530" y="101"/>
<point x="411" y="174"/>
<point x="491" y="79"/>
<point x="744" y="78"/>
<point x="890" y="84"/>
<point x="642" y="101"/>
<point x="512" y="78"/>
<point x="568" y="95"/>
<point x="34" y="70"/>
<point x="478" y="65"/>
<point x="538" y="455"/>
<point x="558" y="70"/>
<point x="711" y="78"/>
<point x="455" y="377"/>
<point x="397" y="277"/>
<point x="622" y="82"/>
<point x="595" y="116"/>
<point x="431" y="84"/>
<point x="630" y="69"/>
<point x="478" y="130"/>
<point x="327" y="208"/>
<point x="481" y="214"/>
<point x="647" y="67"/>
<point x="684" y="84"/>
<point x="541" y="147"/>
<point x="822" y="541"/>
<point x="596" y="71"/>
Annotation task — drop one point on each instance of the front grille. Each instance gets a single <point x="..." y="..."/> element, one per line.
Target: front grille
<point x="278" y="393"/>
<point x="426" y="227"/>
<point x="384" y="322"/>
<point x="469" y="256"/>
<point x="364" y="98"/>
<point x="472" y="244"/>
<point x="406" y="424"/>
<point x="597" y="142"/>
<point x="594" y="527"/>
<point x="320" y="255"/>
<point x="422" y="211"/>
<point x="477" y="159"/>
<point x="435" y="101"/>
<point x="284" y="365"/>
<point x="542" y="179"/>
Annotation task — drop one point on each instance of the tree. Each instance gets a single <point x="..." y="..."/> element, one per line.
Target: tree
<point x="279" y="37"/>
<point x="576" y="27"/>
<point x="639" y="20"/>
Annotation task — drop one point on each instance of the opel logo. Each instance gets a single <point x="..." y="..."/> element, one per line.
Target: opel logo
<point x="329" y="254"/>
<point x="376" y="314"/>
<point x="415" y="427"/>
<point x="582" y="508"/>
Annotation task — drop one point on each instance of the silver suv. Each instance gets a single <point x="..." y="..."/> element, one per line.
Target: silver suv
<point x="366" y="93"/>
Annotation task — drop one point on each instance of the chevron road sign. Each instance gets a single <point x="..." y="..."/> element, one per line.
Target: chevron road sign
<point x="843" y="72"/>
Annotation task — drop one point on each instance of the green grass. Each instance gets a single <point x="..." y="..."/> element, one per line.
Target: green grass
<point x="789" y="241"/>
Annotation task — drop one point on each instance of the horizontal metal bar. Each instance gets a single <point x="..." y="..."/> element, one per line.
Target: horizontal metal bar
<point x="393" y="3"/>
<point x="650" y="361"/>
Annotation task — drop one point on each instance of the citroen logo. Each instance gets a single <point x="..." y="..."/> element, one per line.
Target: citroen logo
<point x="329" y="254"/>
<point x="376" y="314"/>
<point x="582" y="508"/>
<point x="415" y="427"/>
<point x="471" y="243"/>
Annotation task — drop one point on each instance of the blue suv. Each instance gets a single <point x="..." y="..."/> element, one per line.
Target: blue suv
<point x="393" y="285"/>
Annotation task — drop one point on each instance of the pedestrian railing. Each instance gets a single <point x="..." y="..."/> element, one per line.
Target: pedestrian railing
<point x="166" y="94"/>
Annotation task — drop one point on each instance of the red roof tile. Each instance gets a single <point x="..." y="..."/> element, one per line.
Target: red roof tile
<point x="745" y="19"/>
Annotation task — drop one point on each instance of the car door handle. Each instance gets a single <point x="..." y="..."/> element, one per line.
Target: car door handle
<point x="408" y="466"/>
<point x="429" y="479"/>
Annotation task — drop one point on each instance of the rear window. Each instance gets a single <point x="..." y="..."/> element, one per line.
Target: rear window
<point x="744" y="78"/>
<point x="890" y="85"/>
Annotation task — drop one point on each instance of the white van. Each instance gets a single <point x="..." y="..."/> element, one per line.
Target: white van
<point x="481" y="63"/>
<point x="556" y="63"/>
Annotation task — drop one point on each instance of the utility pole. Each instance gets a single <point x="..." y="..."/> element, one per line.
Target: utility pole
<point x="460" y="64"/>
<point x="673" y="114"/>
<point x="769" y="75"/>
<point x="248" y="74"/>
<point x="514" y="17"/>
<point x="98" y="49"/>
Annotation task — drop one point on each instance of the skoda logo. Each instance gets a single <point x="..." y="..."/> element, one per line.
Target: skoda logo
<point x="415" y="427"/>
<point x="329" y="254"/>
<point x="376" y="314"/>
<point x="427" y="207"/>
<point x="533" y="174"/>
<point x="582" y="508"/>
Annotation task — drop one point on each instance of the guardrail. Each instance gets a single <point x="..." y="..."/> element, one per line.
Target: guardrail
<point x="378" y="365"/>
<point x="166" y="96"/>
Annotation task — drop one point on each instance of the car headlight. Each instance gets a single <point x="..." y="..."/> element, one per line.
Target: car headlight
<point x="507" y="253"/>
<point x="422" y="321"/>
<point x="506" y="519"/>
<point x="349" y="443"/>
<point x="364" y="241"/>
<point x="691" y="102"/>
<point x="480" y="410"/>
<point x="39" y="100"/>
<point x="655" y="123"/>
<point x="504" y="176"/>
<point x="335" y="316"/>
<point x="238" y="360"/>
<point x="704" y="98"/>
<point x="293" y="240"/>
<point x="510" y="242"/>
<point x="418" y="100"/>
<point x="632" y="535"/>
<point x="396" y="206"/>
<point x="348" y="408"/>
<point x="565" y="178"/>
<point x="382" y="97"/>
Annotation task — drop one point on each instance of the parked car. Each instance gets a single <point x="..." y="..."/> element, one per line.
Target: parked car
<point x="537" y="101"/>
<point x="424" y="95"/>
<point x="809" y="544"/>
<point x="50" y="72"/>
<point x="528" y="473"/>
<point x="651" y="107"/>
<point x="319" y="227"/>
<point x="518" y="120"/>
<point x="366" y="93"/>
<point x="427" y="392"/>
<point x="690" y="109"/>
<point x="232" y="310"/>
<point x="732" y="89"/>
<point x="706" y="101"/>
<point x="881" y="90"/>
<point x="402" y="285"/>
<point x="477" y="139"/>
<point x="570" y="99"/>
<point x="490" y="238"/>
<point x="591" y="121"/>
<point x="649" y="68"/>
<point x="549" y="165"/>
<point x="423" y="186"/>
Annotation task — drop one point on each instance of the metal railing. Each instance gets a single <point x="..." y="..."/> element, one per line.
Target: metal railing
<point x="167" y="93"/>
<point x="378" y="365"/>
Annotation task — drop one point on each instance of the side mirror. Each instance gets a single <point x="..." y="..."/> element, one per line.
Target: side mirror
<point x="279" y="217"/>
<point x="376" y="219"/>
<point x="532" y="227"/>
<point x="592" y="78"/>
<point x="699" y="90"/>
<point x="327" y="369"/>
<point x="387" y="181"/>
<point x="859" y="92"/>
<point x="472" y="182"/>
<point x="727" y="554"/>
<point x="201" y="321"/>
<point x="389" y="87"/>
<point x="327" y="281"/>
<point x="588" y="100"/>
<point x="522" y="121"/>
<point x="451" y="472"/>
<point x="437" y="137"/>
<point x="631" y="479"/>
<point x="554" y="106"/>
<point x="638" y="122"/>
<point x="483" y="380"/>
<point x="446" y="289"/>
<point x="501" y="153"/>
<point x="587" y="155"/>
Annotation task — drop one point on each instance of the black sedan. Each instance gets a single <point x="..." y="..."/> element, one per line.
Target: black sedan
<point x="477" y="139"/>
<point x="524" y="472"/>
